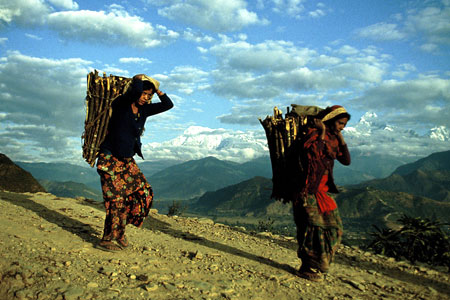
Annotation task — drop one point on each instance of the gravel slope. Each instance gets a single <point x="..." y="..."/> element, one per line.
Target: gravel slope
<point x="47" y="252"/>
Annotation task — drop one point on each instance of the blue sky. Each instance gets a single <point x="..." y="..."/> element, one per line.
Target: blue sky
<point x="226" y="63"/>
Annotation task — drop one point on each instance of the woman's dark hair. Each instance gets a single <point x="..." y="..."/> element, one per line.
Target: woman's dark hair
<point x="147" y="85"/>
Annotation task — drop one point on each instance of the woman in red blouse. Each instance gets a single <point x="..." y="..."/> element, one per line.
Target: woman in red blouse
<point x="319" y="226"/>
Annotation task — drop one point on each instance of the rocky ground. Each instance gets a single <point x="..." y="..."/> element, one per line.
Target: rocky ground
<point x="47" y="247"/>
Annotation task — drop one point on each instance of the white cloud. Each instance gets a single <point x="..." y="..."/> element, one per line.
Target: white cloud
<point x="292" y="8"/>
<point x="197" y="37"/>
<point x="184" y="79"/>
<point x="317" y="13"/>
<point x="23" y="12"/>
<point x="381" y="32"/>
<point x="198" y="142"/>
<point x="115" y="27"/>
<point x="433" y="21"/>
<point x="218" y="16"/>
<point x="3" y="41"/>
<point x="134" y="60"/>
<point x="32" y="36"/>
<point x="202" y="50"/>
<point x="418" y="103"/>
<point x="429" y="47"/>
<point x="65" y="4"/>
<point x="269" y="55"/>
<point x="41" y="120"/>
<point x="272" y="68"/>
<point x="372" y="135"/>
<point x="347" y="50"/>
<point x="404" y="70"/>
<point x="428" y="24"/>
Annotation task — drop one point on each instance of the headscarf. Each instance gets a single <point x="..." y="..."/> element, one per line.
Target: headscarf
<point x="335" y="111"/>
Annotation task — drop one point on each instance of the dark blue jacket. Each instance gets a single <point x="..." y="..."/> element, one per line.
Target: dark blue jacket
<point x="123" y="138"/>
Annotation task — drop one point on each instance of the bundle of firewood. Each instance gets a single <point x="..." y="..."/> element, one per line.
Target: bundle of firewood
<point x="283" y="136"/>
<point x="101" y="92"/>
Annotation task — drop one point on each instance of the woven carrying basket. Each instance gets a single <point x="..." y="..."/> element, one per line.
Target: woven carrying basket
<point x="101" y="92"/>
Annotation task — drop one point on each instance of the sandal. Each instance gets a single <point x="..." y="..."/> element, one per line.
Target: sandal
<point x="108" y="246"/>
<point x="123" y="242"/>
<point x="310" y="274"/>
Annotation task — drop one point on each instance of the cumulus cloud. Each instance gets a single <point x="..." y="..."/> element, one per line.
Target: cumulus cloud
<point x="114" y="27"/>
<point x="317" y="13"/>
<point x="65" y="4"/>
<point x="418" y="103"/>
<point x="198" y="142"/>
<point x="24" y="12"/>
<point x="41" y="120"/>
<point x="428" y="26"/>
<point x="432" y="21"/>
<point x="429" y="47"/>
<point x="382" y="32"/>
<point x="403" y="70"/>
<point x="217" y="16"/>
<point x="184" y="79"/>
<point x="195" y="36"/>
<point x="269" y="55"/>
<point x="290" y="7"/>
<point x="272" y="68"/>
<point x="372" y="135"/>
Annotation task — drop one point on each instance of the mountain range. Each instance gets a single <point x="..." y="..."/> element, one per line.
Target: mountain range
<point x="423" y="192"/>
<point x="369" y="135"/>
<point x="223" y="188"/>
<point x="194" y="178"/>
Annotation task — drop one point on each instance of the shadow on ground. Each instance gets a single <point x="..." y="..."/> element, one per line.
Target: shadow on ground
<point x="84" y="231"/>
<point x="90" y="235"/>
<point x="154" y="224"/>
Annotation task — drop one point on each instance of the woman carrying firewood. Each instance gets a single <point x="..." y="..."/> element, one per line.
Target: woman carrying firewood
<point x="319" y="226"/>
<point x="127" y="194"/>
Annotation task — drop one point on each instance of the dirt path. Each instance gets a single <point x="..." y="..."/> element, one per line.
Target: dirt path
<point x="47" y="252"/>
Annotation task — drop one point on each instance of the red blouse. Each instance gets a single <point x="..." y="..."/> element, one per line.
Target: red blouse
<point x="320" y="155"/>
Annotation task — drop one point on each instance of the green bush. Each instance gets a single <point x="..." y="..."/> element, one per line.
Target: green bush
<point x="417" y="240"/>
<point x="265" y="225"/>
<point x="176" y="209"/>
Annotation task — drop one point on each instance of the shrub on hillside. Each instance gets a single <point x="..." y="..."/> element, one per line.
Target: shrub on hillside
<point x="176" y="209"/>
<point x="266" y="225"/>
<point x="417" y="240"/>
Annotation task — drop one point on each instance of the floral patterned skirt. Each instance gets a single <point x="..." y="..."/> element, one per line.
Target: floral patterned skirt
<point x="127" y="194"/>
<point x="318" y="234"/>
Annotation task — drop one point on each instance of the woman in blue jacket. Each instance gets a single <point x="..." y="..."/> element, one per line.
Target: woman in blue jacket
<point x="127" y="194"/>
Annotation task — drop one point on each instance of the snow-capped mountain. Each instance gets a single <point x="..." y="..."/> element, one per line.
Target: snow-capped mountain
<point x="197" y="142"/>
<point x="440" y="133"/>
<point x="369" y="136"/>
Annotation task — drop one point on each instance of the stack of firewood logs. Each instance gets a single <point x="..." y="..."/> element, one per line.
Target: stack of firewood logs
<point x="101" y="92"/>
<point x="283" y="135"/>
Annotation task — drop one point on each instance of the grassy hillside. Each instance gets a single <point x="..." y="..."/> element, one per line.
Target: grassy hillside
<point x="71" y="189"/>
<point x="435" y="161"/>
